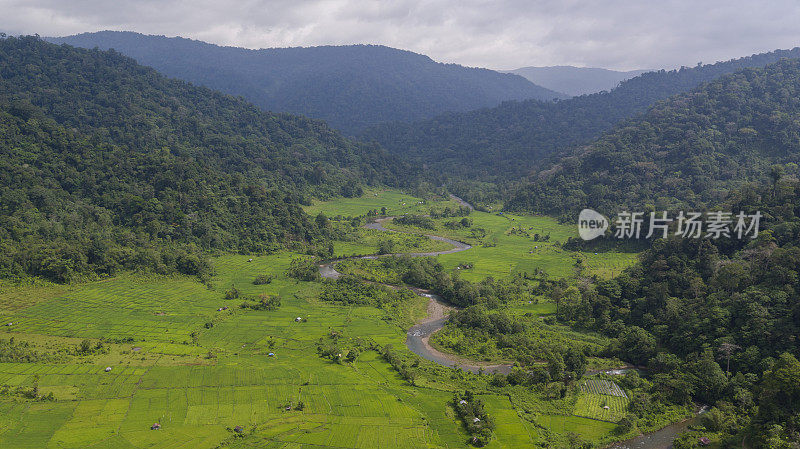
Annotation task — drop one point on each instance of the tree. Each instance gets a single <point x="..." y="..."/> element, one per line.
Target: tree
<point x="555" y="366"/>
<point x="575" y="362"/>
<point x="385" y="246"/>
<point x="626" y="424"/>
<point x="780" y="391"/>
<point x="727" y="349"/>
<point x="709" y="379"/>
<point x="352" y="355"/>
<point x="322" y="221"/>
<point x="637" y="345"/>
<point x="85" y="348"/>
<point x="569" y="304"/>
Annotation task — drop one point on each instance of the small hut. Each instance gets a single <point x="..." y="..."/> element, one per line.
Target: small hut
<point x="271" y="354"/>
<point x="155" y="426"/>
<point x="108" y="369"/>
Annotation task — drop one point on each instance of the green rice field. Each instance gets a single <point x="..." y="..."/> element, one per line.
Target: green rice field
<point x="166" y="366"/>
<point x="602" y="400"/>
<point x="508" y="245"/>
<point x="172" y="350"/>
<point x="502" y="243"/>
<point x="395" y="202"/>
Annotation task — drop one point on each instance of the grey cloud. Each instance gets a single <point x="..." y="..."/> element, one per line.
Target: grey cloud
<point x="498" y="34"/>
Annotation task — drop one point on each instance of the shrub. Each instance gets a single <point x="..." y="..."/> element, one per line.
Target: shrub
<point x="303" y="269"/>
<point x="262" y="279"/>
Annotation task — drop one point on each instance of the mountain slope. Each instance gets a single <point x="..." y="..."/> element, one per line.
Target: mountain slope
<point x="687" y="152"/>
<point x="349" y="86"/>
<point x="505" y="142"/>
<point x="108" y="165"/>
<point x="575" y="81"/>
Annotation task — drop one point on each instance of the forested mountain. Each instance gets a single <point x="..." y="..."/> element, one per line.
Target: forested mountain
<point x="107" y="164"/>
<point x="507" y="141"/>
<point x="694" y="309"/>
<point x="686" y="152"/>
<point x="348" y="86"/>
<point x="575" y="81"/>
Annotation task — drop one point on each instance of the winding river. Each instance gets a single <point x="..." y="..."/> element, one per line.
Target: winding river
<point x="417" y="338"/>
<point x="438" y="313"/>
<point x="660" y="439"/>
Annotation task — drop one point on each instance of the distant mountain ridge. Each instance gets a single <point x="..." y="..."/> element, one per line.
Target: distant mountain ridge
<point x="351" y="87"/>
<point x="686" y="153"/>
<point x="508" y="141"/>
<point x="575" y="81"/>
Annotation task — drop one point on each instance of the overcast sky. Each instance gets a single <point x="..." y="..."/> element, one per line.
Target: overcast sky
<point x="495" y="34"/>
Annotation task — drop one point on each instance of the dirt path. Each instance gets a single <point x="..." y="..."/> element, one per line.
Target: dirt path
<point x="438" y="311"/>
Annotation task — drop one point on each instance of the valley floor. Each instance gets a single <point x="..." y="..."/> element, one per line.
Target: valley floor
<point x="121" y="354"/>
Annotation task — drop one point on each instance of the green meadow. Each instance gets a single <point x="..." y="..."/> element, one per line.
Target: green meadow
<point x="159" y="349"/>
<point x="502" y="243"/>
<point x="176" y="360"/>
<point x="395" y="202"/>
<point x="506" y="244"/>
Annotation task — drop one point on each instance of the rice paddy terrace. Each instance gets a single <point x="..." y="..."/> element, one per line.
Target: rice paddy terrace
<point x="111" y="358"/>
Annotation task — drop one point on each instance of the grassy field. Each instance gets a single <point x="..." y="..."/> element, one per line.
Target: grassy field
<point x="502" y="243"/>
<point x="366" y="241"/>
<point x="589" y="429"/>
<point x="369" y="240"/>
<point x="505" y="244"/>
<point x="395" y="202"/>
<point x="176" y="360"/>
<point x="511" y="431"/>
<point x="602" y="400"/>
<point x="164" y="352"/>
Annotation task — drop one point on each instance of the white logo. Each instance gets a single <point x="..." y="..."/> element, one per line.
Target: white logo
<point x="591" y="224"/>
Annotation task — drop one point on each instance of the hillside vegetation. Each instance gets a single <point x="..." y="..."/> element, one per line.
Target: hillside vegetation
<point x="109" y="165"/>
<point x="686" y="152"/>
<point x="506" y="142"/>
<point x="715" y="321"/>
<point x="350" y="87"/>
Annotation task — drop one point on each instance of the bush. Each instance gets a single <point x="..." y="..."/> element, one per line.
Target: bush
<point x="233" y="293"/>
<point x="385" y="246"/>
<point x="262" y="279"/>
<point x="416" y="220"/>
<point x="499" y="381"/>
<point x="303" y="269"/>
<point x="265" y="302"/>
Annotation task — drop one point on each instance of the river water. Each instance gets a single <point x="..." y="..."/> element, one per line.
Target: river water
<point x="418" y="335"/>
<point x="660" y="439"/>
